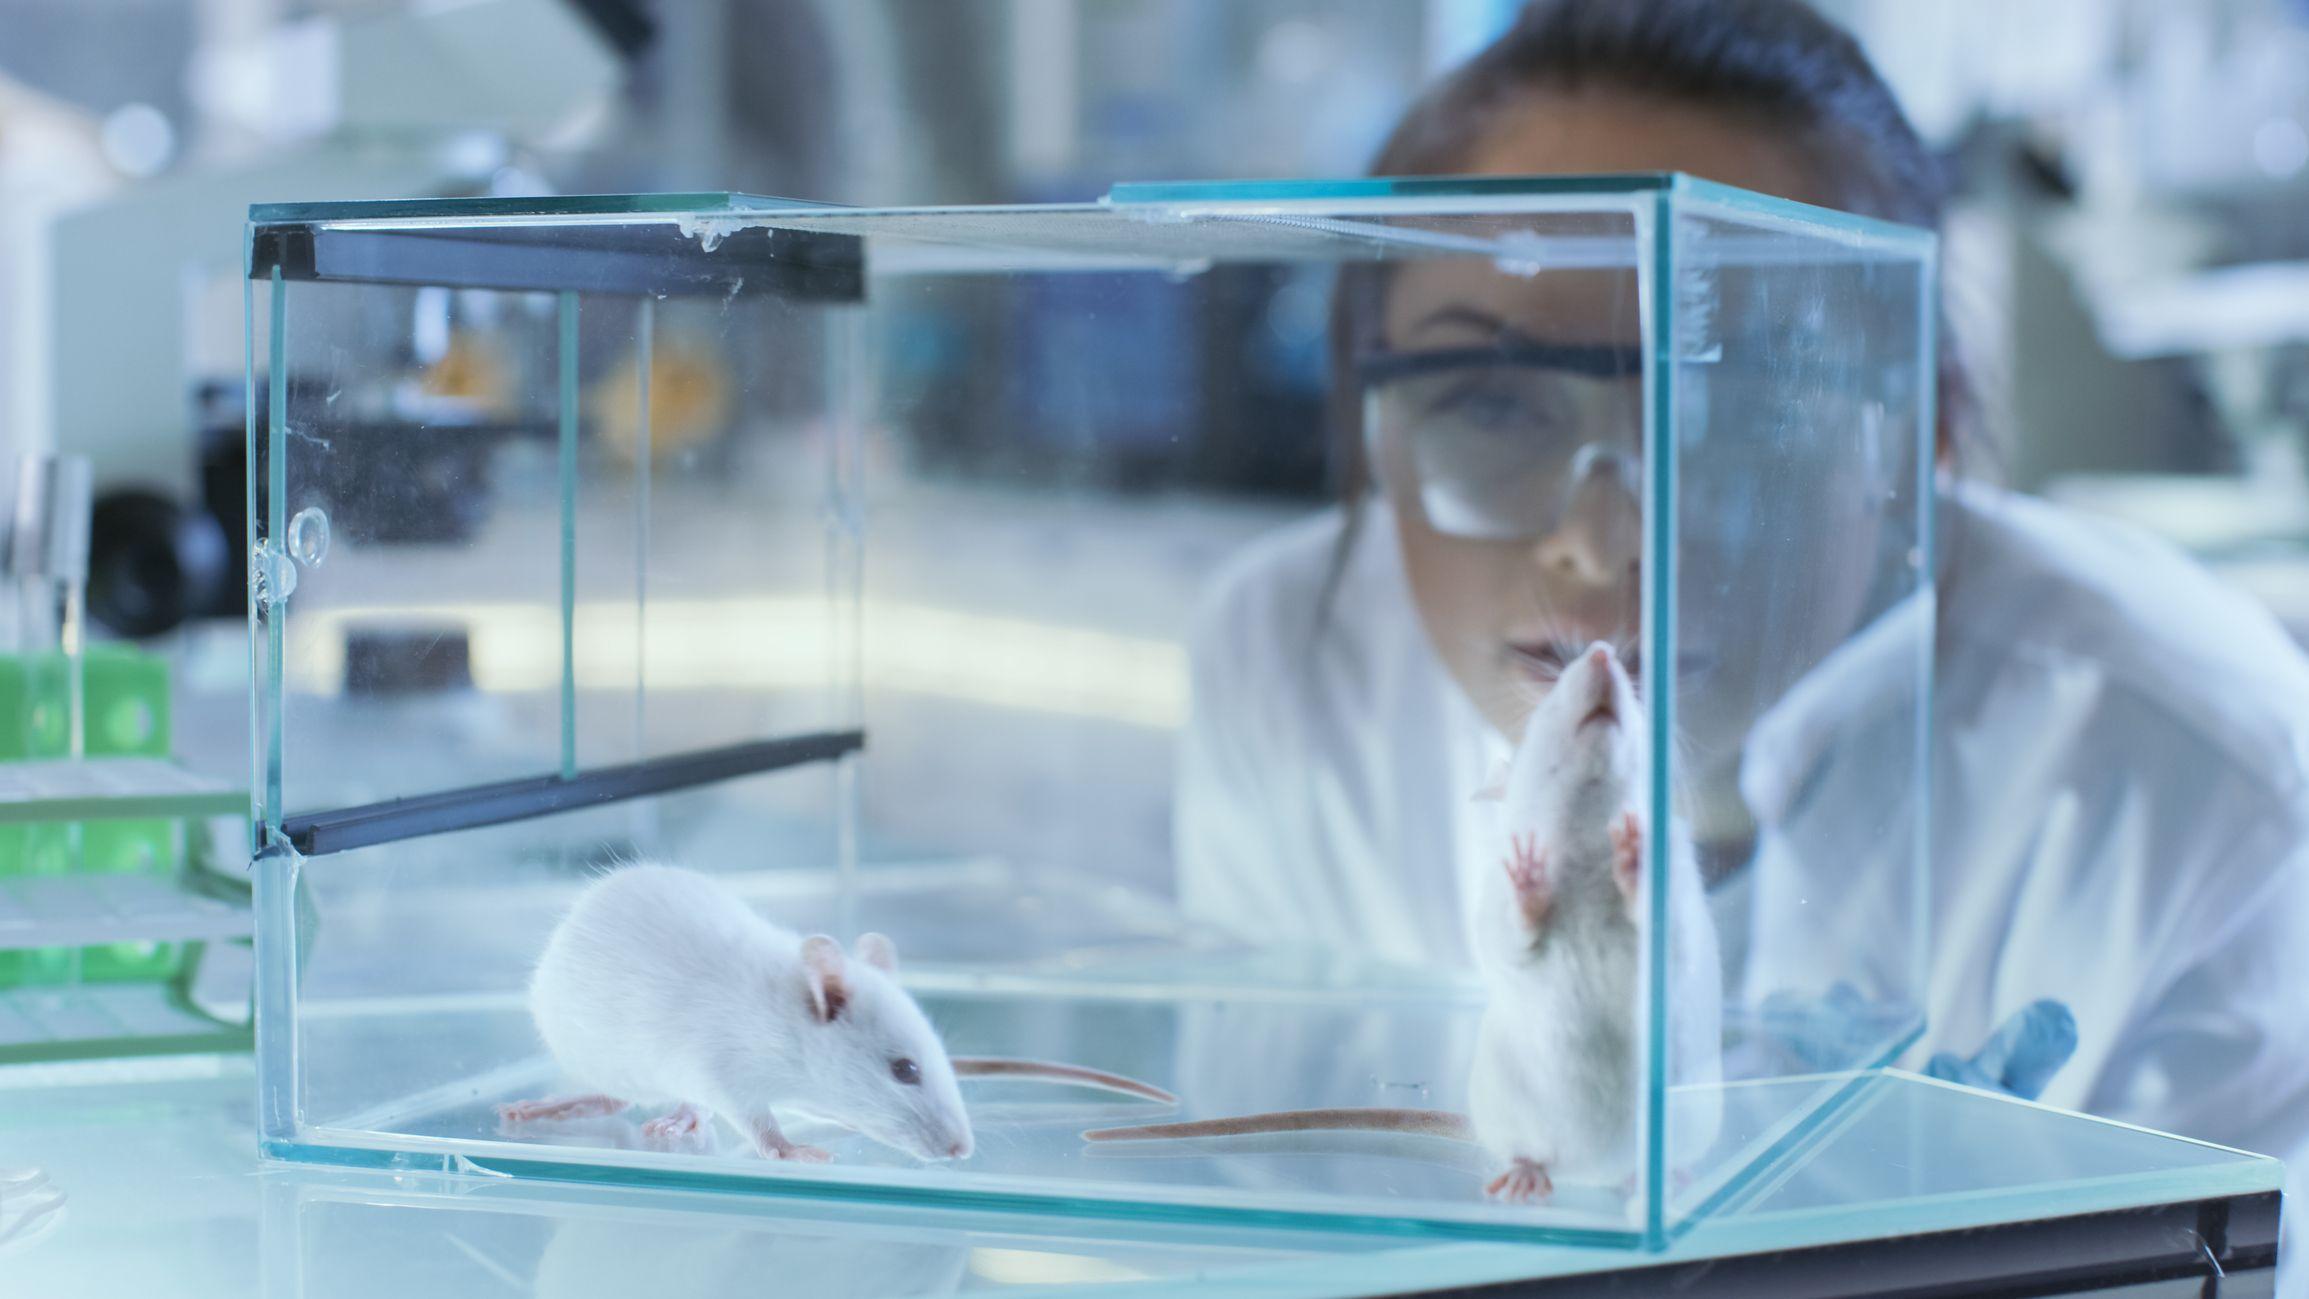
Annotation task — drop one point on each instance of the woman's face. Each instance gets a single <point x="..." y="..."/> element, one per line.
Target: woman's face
<point x="1505" y="614"/>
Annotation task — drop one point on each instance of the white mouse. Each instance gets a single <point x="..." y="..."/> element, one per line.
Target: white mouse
<point x="662" y="986"/>
<point x="1554" y="1088"/>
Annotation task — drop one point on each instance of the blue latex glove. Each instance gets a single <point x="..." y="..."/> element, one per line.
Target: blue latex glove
<point x="2021" y="1056"/>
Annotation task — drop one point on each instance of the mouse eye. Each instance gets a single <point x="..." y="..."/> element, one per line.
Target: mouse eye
<point x="906" y="1071"/>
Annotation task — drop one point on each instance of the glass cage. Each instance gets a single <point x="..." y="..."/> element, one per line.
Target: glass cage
<point x="864" y="560"/>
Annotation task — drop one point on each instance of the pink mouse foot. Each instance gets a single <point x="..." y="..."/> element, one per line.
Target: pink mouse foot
<point x="1526" y="869"/>
<point x="567" y="1107"/>
<point x="773" y="1145"/>
<point x="1524" y="1182"/>
<point x="1627" y="846"/>
<point x="684" y="1124"/>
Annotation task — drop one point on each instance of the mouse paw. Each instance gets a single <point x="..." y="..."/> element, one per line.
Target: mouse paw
<point x="1627" y="847"/>
<point x="1524" y="1182"/>
<point x="1526" y="869"/>
<point x="683" y="1125"/>
<point x="772" y="1144"/>
<point x="567" y="1107"/>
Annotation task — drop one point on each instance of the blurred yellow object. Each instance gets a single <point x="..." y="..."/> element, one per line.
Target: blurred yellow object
<point x="689" y="401"/>
<point x="471" y="370"/>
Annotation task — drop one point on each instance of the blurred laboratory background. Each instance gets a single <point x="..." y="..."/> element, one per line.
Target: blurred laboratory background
<point x="2127" y="264"/>
<point x="2129" y="260"/>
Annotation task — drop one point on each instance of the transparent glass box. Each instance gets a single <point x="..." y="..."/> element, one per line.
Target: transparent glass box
<point x="853" y="556"/>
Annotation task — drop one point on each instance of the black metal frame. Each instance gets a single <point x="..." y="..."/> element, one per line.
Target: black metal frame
<point x="316" y="833"/>
<point x="2228" y="1246"/>
<point x="632" y="257"/>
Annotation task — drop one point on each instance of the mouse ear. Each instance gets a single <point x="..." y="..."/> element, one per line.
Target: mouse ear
<point x="878" y="951"/>
<point x="822" y="966"/>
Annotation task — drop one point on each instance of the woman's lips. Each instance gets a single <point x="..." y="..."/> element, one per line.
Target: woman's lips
<point x="1540" y="662"/>
<point x="1544" y="661"/>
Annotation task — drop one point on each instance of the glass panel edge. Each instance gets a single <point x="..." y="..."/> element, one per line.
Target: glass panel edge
<point x="1656" y="233"/>
<point x="1138" y="193"/>
<point x="327" y="1146"/>
<point x="1695" y="195"/>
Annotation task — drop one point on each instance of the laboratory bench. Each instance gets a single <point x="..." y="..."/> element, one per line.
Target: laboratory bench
<point x="1911" y="1187"/>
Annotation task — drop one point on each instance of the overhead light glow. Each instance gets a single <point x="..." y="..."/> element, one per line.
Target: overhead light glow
<point x="778" y="643"/>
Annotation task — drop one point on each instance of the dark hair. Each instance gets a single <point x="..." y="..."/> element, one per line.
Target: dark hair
<point x="1774" y="63"/>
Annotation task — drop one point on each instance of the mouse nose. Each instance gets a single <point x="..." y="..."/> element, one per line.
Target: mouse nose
<point x="1599" y="657"/>
<point x="959" y="1150"/>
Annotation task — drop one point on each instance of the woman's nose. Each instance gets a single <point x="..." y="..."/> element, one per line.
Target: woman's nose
<point x="1597" y="540"/>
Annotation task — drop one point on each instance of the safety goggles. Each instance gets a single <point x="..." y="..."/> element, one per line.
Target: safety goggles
<point x="1495" y="442"/>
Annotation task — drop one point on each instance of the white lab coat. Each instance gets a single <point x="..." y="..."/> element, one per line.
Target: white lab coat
<point x="2120" y="805"/>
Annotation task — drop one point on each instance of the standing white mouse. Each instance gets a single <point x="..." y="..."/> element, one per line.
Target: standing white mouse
<point x="1556" y="1089"/>
<point x="662" y="986"/>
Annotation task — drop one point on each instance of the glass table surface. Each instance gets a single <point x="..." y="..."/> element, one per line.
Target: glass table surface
<point x="149" y="1184"/>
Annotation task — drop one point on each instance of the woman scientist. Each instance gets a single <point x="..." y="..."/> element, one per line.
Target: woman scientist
<point x="2119" y="816"/>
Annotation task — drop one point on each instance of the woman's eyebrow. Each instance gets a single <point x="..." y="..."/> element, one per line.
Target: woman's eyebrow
<point x="1461" y="314"/>
<point x="1600" y="359"/>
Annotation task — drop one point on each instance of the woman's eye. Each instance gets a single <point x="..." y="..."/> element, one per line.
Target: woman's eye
<point x="1489" y="403"/>
<point x="907" y="1072"/>
<point x="1484" y="408"/>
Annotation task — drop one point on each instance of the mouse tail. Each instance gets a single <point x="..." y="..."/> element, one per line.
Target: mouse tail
<point x="1429" y="1123"/>
<point x="988" y="1066"/>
